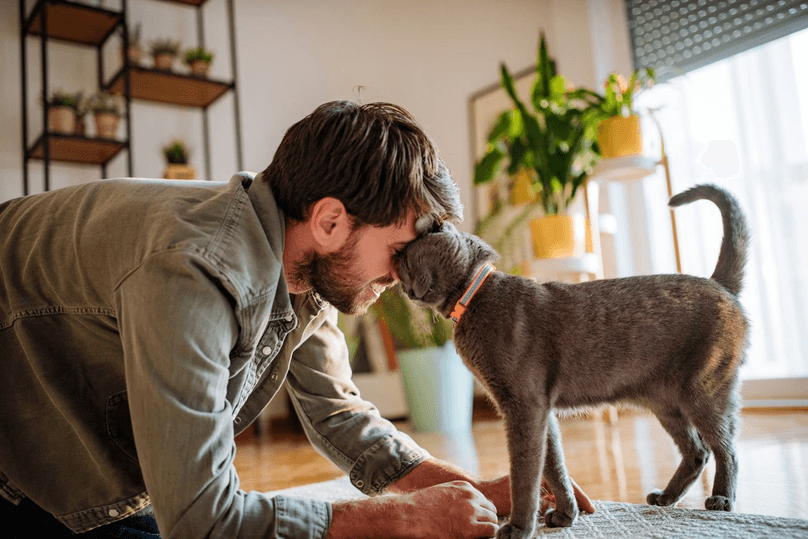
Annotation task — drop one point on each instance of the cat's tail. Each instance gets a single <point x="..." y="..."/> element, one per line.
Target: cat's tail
<point x="729" y="271"/>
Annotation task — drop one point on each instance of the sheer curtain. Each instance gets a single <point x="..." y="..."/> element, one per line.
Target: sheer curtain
<point x="741" y="123"/>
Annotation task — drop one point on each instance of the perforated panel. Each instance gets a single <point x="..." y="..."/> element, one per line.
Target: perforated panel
<point x="676" y="36"/>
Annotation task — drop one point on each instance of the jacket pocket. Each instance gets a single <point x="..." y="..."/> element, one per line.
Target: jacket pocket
<point x="119" y="424"/>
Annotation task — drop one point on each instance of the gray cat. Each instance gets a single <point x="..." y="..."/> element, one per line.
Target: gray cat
<point x="669" y="343"/>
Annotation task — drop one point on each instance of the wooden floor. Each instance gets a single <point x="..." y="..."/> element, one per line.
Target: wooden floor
<point x="620" y="462"/>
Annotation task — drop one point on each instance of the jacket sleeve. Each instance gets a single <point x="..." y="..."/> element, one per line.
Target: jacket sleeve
<point x="178" y="326"/>
<point x="338" y="422"/>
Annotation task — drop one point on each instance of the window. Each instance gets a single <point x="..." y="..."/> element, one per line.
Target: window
<point x="742" y="123"/>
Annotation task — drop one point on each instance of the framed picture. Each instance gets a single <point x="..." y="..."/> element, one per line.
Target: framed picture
<point x="485" y="106"/>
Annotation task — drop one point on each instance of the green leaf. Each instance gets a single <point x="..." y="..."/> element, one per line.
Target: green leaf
<point x="487" y="168"/>
<point x="501" y="127"/>
<point x="558" y="87"/>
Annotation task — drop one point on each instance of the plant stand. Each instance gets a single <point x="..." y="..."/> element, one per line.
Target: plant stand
<point x="633" y="168"/>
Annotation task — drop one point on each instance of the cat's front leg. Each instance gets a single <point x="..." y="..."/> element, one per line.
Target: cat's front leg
<point x="526" y="429"/>
<point x="555" y="472"/>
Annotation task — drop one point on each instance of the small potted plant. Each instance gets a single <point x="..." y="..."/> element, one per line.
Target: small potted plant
<point x="177" y="156"/>
<point x="163" y="52"/>
<point x="62" y="108"/>
<point x="106" y="109"/>
<point x="619" y="130"/>
<point x="199" y="60"/>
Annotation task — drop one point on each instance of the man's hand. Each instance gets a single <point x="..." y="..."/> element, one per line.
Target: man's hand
<point x="548" y="498"/>
<point x="499" y="492"/>
<point x="454" y="510"/>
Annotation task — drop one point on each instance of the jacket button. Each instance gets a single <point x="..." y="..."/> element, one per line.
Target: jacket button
<point x="360" y="483"/>
<point x="237" y="420"/>
<point x="113" y="513"/>
<point x="266" y="350"/>
<point x="274" y="376"/>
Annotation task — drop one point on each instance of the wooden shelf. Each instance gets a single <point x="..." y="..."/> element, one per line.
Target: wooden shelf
<point x="76" y="23"/>
<point x="77" y="149"/>
<point x="169" y="87"/>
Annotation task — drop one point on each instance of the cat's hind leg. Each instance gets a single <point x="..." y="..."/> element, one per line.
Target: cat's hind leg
<point x="693" y="450"/>
<point x="718" y="426"/>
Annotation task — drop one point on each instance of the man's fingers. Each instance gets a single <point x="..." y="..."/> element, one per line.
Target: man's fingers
<point x="584" y="503"/>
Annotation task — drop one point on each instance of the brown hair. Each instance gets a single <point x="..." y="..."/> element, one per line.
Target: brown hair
<point x="374" y="158"/>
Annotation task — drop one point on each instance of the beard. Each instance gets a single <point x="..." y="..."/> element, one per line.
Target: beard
<point x="332" y="277"/>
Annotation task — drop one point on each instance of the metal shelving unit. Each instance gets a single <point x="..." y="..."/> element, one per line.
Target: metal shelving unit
<point x="85" y="25"/>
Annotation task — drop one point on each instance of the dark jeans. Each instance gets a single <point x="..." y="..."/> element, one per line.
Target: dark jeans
<point x="29" y="520"/>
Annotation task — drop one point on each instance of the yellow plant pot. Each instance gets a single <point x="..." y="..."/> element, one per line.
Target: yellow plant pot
<point x="556" y="236"/>
<point x="522" y="189"/>
<point x="179" y="172"/>
<point x="62" y="120"/>
<point x="619" y="136"/>
<point x="106" y="125"/>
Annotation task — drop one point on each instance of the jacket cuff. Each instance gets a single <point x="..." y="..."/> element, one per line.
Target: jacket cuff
<point x="386" y="461"/>
<point x="298" y="518"/>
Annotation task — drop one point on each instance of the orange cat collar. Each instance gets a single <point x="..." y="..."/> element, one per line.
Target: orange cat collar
<point x="476" y="283"/>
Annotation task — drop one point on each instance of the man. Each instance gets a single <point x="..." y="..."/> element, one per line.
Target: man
<point x="145" y="323"/>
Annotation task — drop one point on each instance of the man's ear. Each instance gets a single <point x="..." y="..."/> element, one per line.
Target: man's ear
<point x="330" y="224"/>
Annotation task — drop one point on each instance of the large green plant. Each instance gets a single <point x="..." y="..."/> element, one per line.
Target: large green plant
<point x="554" y="139"/>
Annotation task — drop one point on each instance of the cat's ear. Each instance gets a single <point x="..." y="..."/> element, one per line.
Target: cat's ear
<point x="431" y="224"/>
<point x="427" y="224"/>
<point x="448" y="228"/>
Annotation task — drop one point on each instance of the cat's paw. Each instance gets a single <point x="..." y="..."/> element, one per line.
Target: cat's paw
<point x="718" y="503"/>
<point x="556" y="519"/>
<point x="509" y="531"/>
<point x="658" y="497"/>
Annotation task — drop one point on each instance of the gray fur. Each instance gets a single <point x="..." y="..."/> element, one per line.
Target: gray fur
<point x="669" y="343"/>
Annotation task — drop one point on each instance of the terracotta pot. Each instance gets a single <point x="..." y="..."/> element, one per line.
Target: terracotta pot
<point x="106" y="125"/>
<point x="62" y="119"/>
<point x="179" y="172"/>
<point x="619" y="136"/>
<point x="163" y="61"/>
<point x="557" y="236"/>
<point x="200" y="68"/>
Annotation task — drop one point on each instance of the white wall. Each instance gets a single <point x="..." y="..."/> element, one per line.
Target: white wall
<point x="424" y="55"/>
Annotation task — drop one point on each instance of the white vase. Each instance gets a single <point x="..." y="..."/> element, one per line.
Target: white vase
<point x="439" y="389"/>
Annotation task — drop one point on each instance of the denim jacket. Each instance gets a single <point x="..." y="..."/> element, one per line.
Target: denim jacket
<point x="144" y="323"/>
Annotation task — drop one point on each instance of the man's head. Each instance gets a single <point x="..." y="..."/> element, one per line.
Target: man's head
<point x="373" y="158"/>
<point x="358" y="177"/>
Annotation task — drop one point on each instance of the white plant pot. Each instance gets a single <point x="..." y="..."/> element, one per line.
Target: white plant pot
<point x="439" y="389"/>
